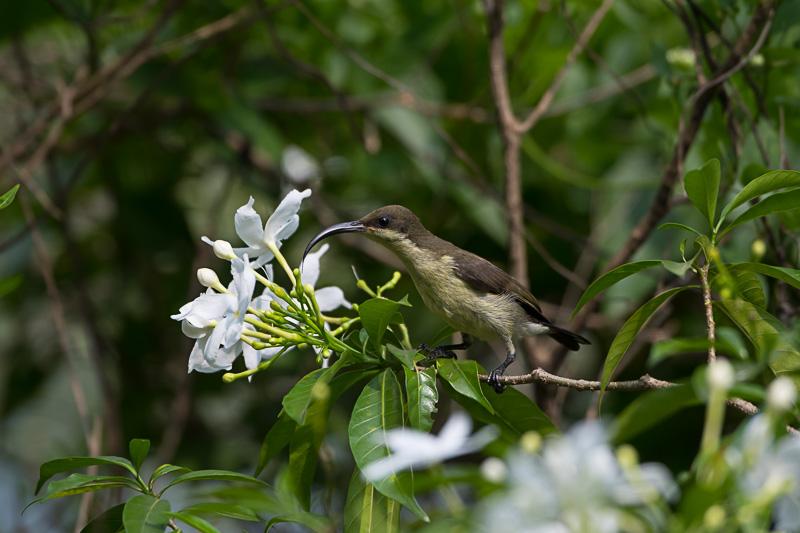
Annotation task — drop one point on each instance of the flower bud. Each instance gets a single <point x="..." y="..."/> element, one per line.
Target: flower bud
<point x="715" y="517"/>
<point x="275" y="306"/>
<point x="223" y="249"/>
<point x="308" y="289"/>
<point x="781" y="394"/>
<point x="530" y="442"/>
<point x="720" y="375"/>
<point x="208" y="278"/>
<point x="681" y="58"/>
<point x="326" y="353"/>
<point x="627" y="456"/>
<point x="758" y="249"/>
<point x="494" y="470"/>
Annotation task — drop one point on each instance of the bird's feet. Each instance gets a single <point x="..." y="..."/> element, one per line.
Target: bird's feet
<point x="434" y="354"/>
<point x="494" y="379"/>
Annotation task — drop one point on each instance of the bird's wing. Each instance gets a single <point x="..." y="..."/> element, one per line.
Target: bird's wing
<point x="483" y="276"/>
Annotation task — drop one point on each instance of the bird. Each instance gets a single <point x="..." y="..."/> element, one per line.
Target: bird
<point x="466" y="291"/>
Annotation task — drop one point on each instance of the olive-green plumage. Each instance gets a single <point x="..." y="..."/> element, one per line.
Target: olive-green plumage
<point x="466" y="291"/>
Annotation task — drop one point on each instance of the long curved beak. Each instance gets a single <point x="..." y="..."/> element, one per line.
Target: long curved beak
<point x="344" y="227"/>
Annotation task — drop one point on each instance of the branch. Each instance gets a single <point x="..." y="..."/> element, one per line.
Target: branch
<point x="539" y="375"/>
<point x="699" y="103"/>
<point x="712" y="352"/>
<point x="577" y="49"/>
<point x="644" y="383"/>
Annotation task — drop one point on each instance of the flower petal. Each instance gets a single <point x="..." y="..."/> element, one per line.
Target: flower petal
<point x="248" y="224"/>
<point x="284" y="220"/>
<point x="311" y="265"/>
<point x="330" y="298"/>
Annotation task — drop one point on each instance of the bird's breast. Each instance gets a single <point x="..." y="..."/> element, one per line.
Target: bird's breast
<point x="483" y="315"/>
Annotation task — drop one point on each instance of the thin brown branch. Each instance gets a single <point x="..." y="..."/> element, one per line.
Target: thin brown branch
<point x="59" y="319"/>
<point x="539" y="375"/>
<point x="644" y="383"/>
<point x="710" y="325"/>
<point x="662" y="202"/>
<point x="547" y="98"/>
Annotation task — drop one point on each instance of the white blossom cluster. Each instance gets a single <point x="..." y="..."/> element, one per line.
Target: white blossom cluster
<point x="223" y="319"/>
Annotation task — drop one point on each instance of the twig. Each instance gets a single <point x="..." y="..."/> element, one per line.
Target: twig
<point x="59" y="320"/>
<point x="577" y="49"/>
<point x="644" y="383"/>
<point x="712" y="353"/>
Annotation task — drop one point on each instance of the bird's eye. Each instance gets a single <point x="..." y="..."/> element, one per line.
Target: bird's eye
<point x="384" y="221"/>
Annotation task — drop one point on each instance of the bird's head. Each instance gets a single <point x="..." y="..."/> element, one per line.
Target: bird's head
<point x="387" y="225"/>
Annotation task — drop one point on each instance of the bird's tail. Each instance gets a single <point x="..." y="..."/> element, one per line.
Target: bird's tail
<point x="572" y="341"/>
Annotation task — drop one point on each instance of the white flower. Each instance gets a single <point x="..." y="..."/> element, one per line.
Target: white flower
<point x="768" y="469"/>
<point x="328" y="298"/>
<point x="281" y="225"/>
<point x="411" y="448"/>
<point x="575" y="485"/>
<point x="781" y="393"/>
<point x="217" y="320"/>
<point x="298" y="165"/>
<point x="720" y="375"/>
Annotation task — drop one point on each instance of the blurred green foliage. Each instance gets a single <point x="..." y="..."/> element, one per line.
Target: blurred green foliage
<point x="131" y="172"/>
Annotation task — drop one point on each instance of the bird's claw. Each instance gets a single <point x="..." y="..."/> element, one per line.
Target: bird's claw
<point x="494" y="380"/>
<point x="434" y="354"/>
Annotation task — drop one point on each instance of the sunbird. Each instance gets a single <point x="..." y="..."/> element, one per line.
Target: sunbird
<point x="468" y="292"/>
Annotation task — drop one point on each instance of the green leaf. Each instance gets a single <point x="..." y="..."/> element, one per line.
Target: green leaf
<point x="611" y="278"/>
<point x="404" y="356"/>
<point x="366" y="510"/>
<point x="649" y="409"/>
<point x="702" y="187"/>
<point x="146" y="514"/>
<point x="679" y="269"/>
<point x="518" y="413"/>
<point x="376" y="315"/>
<point x="422" y="397"/>
<point x="139" y="449"/>
<point x="787" y="275"/>
<point x="56" y="466"/>
<point x="278" y="437"/>
<point x="767" y="334"/>
<point x="441" y="335"/>
<point x="213" y="475"/>
<point x="228" y="510"/>
<point x="745" y="283"/>
<point x="463" y="376"/>
<point x="626" y="334"/>
<point x="165" y="469"/>
<point x="771" y="181"/>
<point x="9" y="285"/>
<point x="778" y="202"/>
<point x="675" y="225"/>
<point x="194" y="521"/>
<point x="514" y="413"/>
<point x="663" y="349"/>
<point x="313" y="386"/>
<point x="378" y="409"/>
<point x="110" y="521"/>
<point x="81" y="483"/>
<point x="299" y="398"/>
<point x="312" y="521"/>
<point x="8" y="197"/>
<point x="307" y="438"/>
<point x="304" y="448"/>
